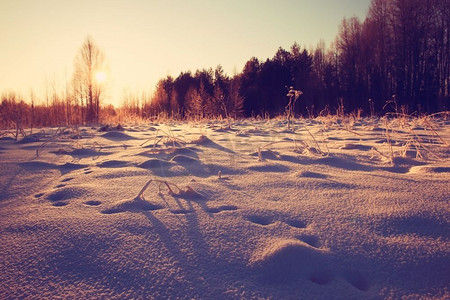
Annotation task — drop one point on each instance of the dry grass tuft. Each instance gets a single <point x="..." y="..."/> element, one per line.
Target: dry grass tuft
<point x="166" y="138"/>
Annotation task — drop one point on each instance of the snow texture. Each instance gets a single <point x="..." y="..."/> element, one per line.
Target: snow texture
<point x="202" y="211"/>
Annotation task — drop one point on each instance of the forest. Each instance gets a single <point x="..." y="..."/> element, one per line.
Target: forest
<point x="396" y="60"/>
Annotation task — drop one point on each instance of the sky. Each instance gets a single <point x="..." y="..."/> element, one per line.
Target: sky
<point x="144" y="41"/>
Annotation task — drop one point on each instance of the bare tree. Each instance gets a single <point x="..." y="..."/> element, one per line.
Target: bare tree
<point x="88" y="64"/>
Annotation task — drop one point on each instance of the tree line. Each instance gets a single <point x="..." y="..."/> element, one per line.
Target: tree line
<point x="207" y="93"/>
<point x="396" y="59"/>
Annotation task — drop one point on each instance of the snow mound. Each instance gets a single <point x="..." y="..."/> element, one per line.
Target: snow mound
<point x="40" y="165"/>
<point x="404" y="164"/>
<point x="114" y="164"/>
<point x="29" y="139"/>
<point x="184" y="159"/>
<point x="162" y="168"/>
<point x="267" y="154"/>
<point x="71" y="166"/>
<point x="189" y="151"/>
<point x="62" y="196"/>
<point x="154" y="163"/>
<point x="117" y="136"/>
<point x="133" y="205"/>
<point x="429" y="170"/>
<point x="287" y="260"/>
<point x="86" y="152"/>
<point x="191" y="165"/>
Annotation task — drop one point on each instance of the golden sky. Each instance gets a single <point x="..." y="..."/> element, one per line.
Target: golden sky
<point x="144" y="41"/>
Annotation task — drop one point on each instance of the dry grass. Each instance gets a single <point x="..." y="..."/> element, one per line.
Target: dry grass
<point x="409" y="132"/>
<point x="166" y="138"/>
<point x="405" y="135"/>
<point x="60" y="132"/>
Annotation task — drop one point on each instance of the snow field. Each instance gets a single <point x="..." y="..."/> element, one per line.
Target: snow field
<point x="204" y="211"/>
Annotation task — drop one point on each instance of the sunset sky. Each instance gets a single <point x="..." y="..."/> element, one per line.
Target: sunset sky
<point x="144" y="41"/>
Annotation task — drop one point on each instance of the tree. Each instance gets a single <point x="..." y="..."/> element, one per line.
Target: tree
<point x="379" y="38"/>
<point x="181" y="86"/>
<point x="89" y="63"/>
<point x="194" y="103"/>
<point x="162" y="95"/>
<point x="349" y="46"/>
<point x="249" y="87"/>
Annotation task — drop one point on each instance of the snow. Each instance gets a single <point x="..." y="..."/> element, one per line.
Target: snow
<point x="204" y="211"/>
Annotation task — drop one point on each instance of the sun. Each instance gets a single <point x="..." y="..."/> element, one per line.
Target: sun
<point x="100" y="76"/>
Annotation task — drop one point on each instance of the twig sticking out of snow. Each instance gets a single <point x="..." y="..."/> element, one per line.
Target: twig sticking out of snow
<point x="293" y="96"/>
<point x="388" y="139"/>
<point x="174" y="190"/>
<point x="319" y="150"/>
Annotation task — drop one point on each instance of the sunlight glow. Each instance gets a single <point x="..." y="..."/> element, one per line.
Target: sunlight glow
<point x="100" y="76"/>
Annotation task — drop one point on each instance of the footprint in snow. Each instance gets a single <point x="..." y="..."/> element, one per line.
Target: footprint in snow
<point x="260" y="220"/>
<point x="357" y="279"/>
<point x="269" y="168"/>
<point x="113" y="164"/>
<point x="93" y="202"/>
<point x="266" y="220"/>
<point x="309" y="174"/>
<point x="180" y="211"/>
<point x="62" y="197"/>
<point x="311" y="240"/>
<point x="296" y="223"/>
<point x="216" y="210"/>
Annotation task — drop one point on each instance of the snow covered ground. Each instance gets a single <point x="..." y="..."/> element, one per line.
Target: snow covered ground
<point x="327" y="210"/>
